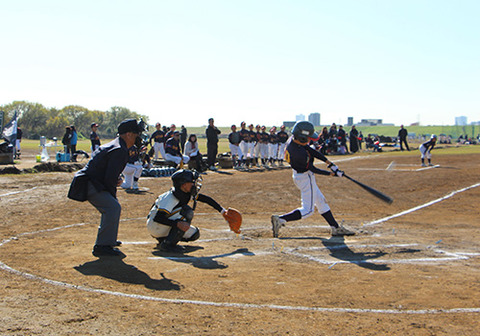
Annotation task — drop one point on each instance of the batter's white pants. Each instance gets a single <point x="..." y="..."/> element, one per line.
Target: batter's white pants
<point x="272" y="150"/>
<point x="159" y="148"/>
<point x="177" y="159"/>
<point x="130" y="171"/>
<point x="425" y="153"/>
<point x="311" y="195"/>
<point x="281" y="151"/>
<point x="236" y="151"/>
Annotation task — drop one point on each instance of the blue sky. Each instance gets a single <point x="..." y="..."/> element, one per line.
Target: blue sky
<point x="183" y="61"/>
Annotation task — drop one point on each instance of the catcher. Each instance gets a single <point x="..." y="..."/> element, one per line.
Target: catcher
<point x="170" y="218"/>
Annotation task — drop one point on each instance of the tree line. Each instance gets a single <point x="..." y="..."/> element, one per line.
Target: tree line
<point x="36" y="120"/>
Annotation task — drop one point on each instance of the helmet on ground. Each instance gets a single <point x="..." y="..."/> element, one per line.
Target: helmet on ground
<point x="303" y="131"/>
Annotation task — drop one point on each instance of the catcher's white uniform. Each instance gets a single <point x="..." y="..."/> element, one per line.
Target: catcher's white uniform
<point x="170" y="205"/>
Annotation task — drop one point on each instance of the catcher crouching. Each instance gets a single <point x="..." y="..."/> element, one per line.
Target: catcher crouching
<point x="170" y="218"/>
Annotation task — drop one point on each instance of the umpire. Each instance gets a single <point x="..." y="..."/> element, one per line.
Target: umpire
<point x="97" y="182"/>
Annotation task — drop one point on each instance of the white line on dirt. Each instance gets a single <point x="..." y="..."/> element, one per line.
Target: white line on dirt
<point x="453" y="193"/>
<point x="18" y="192"/>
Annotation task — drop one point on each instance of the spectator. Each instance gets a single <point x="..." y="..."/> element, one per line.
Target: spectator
<point x="360" y="140"/>
<point x="66" y="140"/>
<point x="73" y="143"/>
<point x="342" y="139"/>
<point x="17" y="143"/>
<point x="212" y="133"/>
<point x="94" y="138"/>
<point x="183" y="137"/>
<point x="192" y="151"/>
<point x="402" y="138"/>
<point x="354" y="139"/>
<point x="170" y="132"/>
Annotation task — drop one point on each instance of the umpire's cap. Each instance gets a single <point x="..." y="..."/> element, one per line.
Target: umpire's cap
<point x="303" y="131"/>
<point x="129" y="125"/>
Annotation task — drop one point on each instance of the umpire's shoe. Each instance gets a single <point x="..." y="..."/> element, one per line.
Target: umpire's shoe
<point x="106" y="250"/>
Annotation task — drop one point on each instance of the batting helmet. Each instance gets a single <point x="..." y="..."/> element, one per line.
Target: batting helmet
<point x="303" y="131"/>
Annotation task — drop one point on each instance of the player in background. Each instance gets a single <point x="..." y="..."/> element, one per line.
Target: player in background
<point x="251" y="146"/>
<point x="243" y="133"/>
<point x="282" y="137"/>
<point x="173" y="152"/>
<point x="425" y="149"/>
<point x="256" y="146"/>
<point x="301" y="156"/>
<point x="158" y="138"/>
<point x="272" y="147"/>
<point x="234" y="142"/>
<point x="264" y="138"/>
<point x="133" y="169"/>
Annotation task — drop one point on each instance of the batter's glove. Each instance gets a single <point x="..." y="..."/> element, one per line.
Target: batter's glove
<point x="333" y="167"/>
<point x="234" y="219"/>
<point x="339" y="173"/>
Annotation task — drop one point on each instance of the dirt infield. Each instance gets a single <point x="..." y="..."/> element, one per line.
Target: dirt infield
<point x="413" y="269"/>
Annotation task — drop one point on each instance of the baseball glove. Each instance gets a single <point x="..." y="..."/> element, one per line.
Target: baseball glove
<point x="234" y="219"/>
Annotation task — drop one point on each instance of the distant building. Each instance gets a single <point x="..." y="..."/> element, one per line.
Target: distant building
<point x="350" y="121"/>
<point x="289" y="124"/>
<point x="300" y="117"/>
<point x="370" y="122"/>
<point x="461" y="121"/>
<point x="314" y="118"/>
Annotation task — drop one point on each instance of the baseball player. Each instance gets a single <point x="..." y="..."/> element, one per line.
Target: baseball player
<point x="272" y="146"/>
<point x="132" y="170"/>
<point x="170" y="218"/>
<point x="244" y="138"/>
<point x="252" y="136"/>
<point x="264" y="138"/>
<point x="301" y="156"/>
<point x="158" y="138"/>
<point x="234" y="139"/>
<point x="172" y="150"/>
<point x="282" y="137"/>
<point x="256" y="150"/>
<point x="425" y="149"/>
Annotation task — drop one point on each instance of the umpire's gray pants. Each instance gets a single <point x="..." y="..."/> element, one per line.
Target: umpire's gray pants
<point x="110" y="210"/>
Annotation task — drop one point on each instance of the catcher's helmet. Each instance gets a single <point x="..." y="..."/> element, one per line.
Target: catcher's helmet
<point x="303" y="131"/>
<point x="184" y="175"/>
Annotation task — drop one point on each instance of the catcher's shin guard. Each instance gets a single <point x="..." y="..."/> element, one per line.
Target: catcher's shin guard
<point x="174" y="236"/>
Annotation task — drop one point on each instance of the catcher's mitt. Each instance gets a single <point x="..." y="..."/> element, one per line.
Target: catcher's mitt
<point x="234" y="219"/>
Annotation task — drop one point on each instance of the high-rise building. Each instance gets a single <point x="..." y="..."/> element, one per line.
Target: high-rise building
<point x="461" y="121"/>
<point x="350" y="121"/>
<point x="314" y="118"/>
<point x="300" y="117"/>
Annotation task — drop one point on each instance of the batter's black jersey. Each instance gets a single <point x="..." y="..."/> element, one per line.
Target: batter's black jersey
<point x="157" y="136"/>
<point x="301" y="158"/>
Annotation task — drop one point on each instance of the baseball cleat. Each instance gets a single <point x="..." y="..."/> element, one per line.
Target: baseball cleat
<point x="342" y="231"/>
<point x="424" y="165"/>
<point x="277" y="223"/>
<point x="104" y="251"/>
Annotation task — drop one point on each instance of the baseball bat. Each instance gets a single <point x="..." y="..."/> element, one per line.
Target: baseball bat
<point x="371" y="190"/>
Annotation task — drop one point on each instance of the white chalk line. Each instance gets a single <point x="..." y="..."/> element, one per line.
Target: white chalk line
<point x="240" y="305"/>
<point x="18" y="192"/>
<point x="453" y="193"/>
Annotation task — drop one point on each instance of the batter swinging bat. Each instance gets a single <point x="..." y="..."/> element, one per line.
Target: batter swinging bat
<point x="372" y="191"/>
